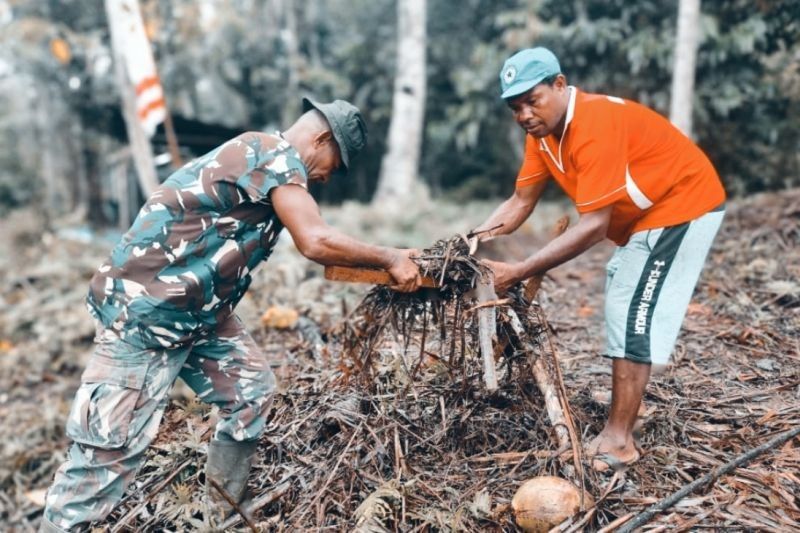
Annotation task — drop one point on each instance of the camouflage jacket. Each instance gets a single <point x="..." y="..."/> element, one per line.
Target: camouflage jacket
<point x="185" y="262"/>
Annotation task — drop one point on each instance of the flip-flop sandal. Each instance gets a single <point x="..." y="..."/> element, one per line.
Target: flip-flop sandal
<point x="613" y="462"/>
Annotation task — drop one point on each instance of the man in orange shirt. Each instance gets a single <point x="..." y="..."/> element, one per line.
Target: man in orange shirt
<point x="636" y="180"/>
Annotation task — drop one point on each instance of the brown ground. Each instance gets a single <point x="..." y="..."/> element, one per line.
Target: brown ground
<point x="736" y="384"/>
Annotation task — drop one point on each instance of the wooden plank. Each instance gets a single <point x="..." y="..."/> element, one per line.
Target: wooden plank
<point x="367" y="275"/>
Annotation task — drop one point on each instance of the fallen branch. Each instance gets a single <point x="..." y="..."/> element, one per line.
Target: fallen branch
<point x="342" y="455"/>
<point x="543" y="378"/>
<point x="258" y="503"/>
<point x="234" y="504"/>
<point x="490" y="303"/>
<point x="645" y="516"/>
<point x="566" y="409"/>
<point x="546" y="386"/>
<point x="487" y="320"/>
<point x="130" y="514"/>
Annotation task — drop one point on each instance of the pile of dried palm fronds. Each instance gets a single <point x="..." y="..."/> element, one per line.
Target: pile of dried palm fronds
<point x="436" y="326"/>
<point x="413" y="439"/>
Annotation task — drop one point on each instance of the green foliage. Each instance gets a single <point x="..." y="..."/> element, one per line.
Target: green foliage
<point x="226" y="63"/>
<point x="747" y="97"/>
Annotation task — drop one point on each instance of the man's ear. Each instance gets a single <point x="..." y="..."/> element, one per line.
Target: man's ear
<point x="561" y="82"/>
<point x="322" y="138"/>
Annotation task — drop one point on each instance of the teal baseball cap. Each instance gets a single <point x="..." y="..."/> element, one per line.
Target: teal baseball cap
<point x="526" y="69"/>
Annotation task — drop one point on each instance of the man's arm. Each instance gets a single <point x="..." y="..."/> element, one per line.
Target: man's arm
<point x="512" y="213"/>
<point x="321" y="243"/>
<point x="590" y="229"/>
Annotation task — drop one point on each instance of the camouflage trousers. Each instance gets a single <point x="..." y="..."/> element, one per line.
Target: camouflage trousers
<point x="119" y="405"/>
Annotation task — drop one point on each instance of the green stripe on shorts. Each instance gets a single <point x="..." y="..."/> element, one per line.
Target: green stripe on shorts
<point x="649" y="285"/>
<point x="645" y="297"/>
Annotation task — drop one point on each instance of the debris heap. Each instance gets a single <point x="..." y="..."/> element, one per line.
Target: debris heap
<point x="343" y="450"/>
<point x="404" y="431"/>
<point x="440" y="327"/>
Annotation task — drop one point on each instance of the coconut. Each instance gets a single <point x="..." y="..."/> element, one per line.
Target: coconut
<point x="278" y="317"/>
<point x="544" y="502"/>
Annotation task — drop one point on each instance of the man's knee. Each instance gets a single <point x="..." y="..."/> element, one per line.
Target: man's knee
<point x="113" y="419"/>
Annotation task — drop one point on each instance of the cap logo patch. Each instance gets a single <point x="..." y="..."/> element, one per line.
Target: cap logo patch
<point x="509" y="74"/>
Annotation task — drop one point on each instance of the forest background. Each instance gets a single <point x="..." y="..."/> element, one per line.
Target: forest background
<point x="232" y="65"/>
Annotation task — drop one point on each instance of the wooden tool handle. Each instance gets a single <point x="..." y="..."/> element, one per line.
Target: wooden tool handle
<point x="533" y="283"/>
<point x="367" y="275"/>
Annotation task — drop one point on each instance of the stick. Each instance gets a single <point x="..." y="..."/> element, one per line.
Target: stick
<point x="545" y="381"/>
<point x="534" y="282"/>
<point x="645" y="516"/>
<point x="258" y="503"/>
<point x="368" y="275"/>
<point x="487" y="327"/>
<point x="233" y="503"/>
<point x="567" y="411"/>
<point x="577" y="526"/>
<point x="618" y="522"/>
<point x="125" y="519"/>
<point x="548" y="389"/>
<point x="490" y="303"/>
<point x="335" y="468"/>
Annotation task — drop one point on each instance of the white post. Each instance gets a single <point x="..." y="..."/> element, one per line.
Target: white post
<point x="686" y="42"/>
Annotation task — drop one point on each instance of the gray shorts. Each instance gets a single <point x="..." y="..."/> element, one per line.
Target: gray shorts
<point x="649" y="283"/>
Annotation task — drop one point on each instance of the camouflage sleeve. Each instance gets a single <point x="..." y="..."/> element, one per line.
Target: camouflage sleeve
<point x="273" y="166"/>
<point x="249" y="162"/>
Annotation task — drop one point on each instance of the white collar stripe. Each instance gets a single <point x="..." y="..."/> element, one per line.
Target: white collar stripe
<point x="573" y="93"/>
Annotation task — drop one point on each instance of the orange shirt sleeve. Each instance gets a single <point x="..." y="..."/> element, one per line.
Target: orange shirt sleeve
<point x="601" y="157"/>
<point x="533" y="169"/>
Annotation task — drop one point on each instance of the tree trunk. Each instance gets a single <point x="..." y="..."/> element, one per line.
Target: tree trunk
<point x="140" y="143"/>
<point x="397" y="184"/>
<point x="291" y="106"/>
<point x="686" y="41"/>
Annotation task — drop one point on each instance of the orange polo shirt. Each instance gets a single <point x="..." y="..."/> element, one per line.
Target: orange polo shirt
<point x="618" y="152"/>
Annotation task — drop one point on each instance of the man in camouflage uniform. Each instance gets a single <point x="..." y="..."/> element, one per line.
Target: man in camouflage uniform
<point x="164" y="303"/>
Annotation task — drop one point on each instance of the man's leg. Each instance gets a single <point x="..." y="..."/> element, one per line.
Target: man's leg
<point x="649" y="285"/>
<point x="629" y="380"/>
<point x="114" y="417"/>
<point x="230" y="371"/>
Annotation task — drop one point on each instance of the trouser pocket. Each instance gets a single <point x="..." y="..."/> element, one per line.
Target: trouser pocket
<point x="106" y="401"/>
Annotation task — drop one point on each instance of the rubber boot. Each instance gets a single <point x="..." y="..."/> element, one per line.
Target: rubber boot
<point x="228" y="464"/>
<point x="46" y="526"/>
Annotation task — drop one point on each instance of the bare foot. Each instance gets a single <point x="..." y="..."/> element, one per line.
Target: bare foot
<point x="610" y="449"/>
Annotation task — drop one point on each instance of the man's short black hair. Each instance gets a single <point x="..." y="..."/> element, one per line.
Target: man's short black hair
<point x="550" y="80"/>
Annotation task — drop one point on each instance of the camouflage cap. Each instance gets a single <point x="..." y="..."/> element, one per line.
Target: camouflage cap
<point x="347" y="126"/>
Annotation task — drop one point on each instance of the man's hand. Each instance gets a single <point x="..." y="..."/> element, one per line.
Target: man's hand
<point x="405" y="271"/>
<point x="505" y="275"/>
